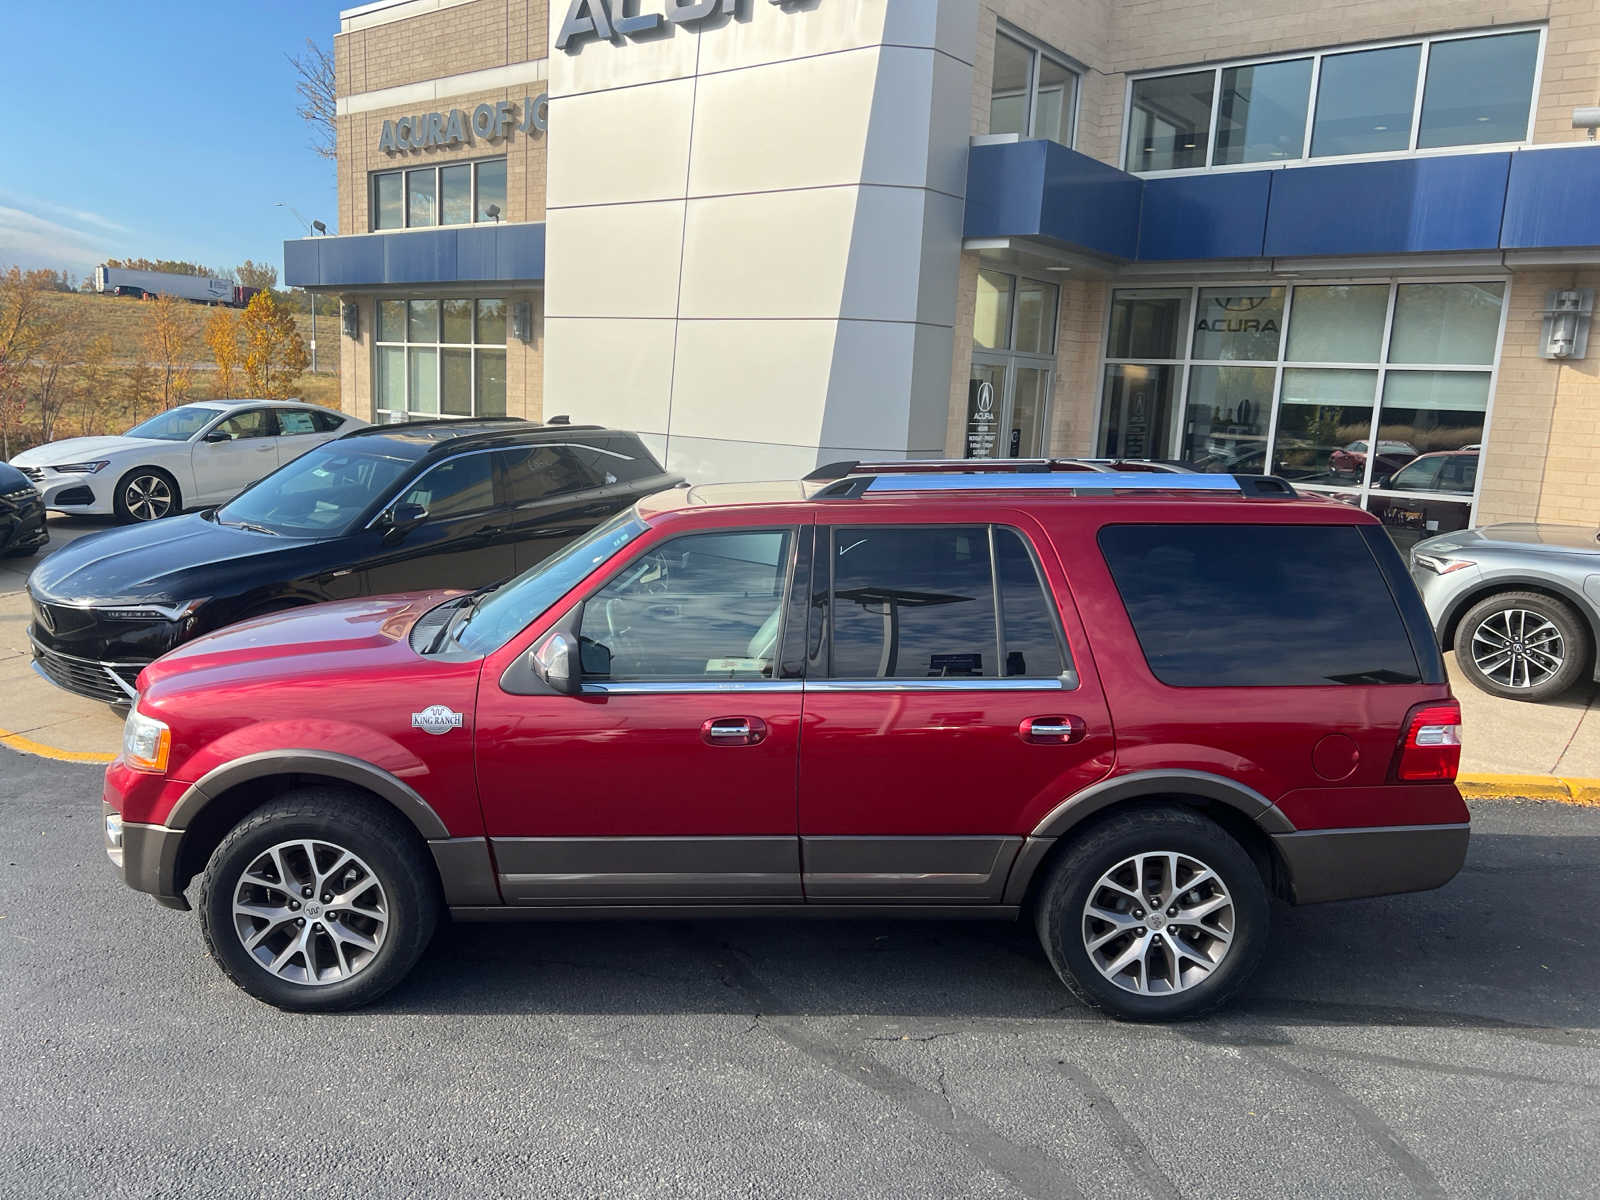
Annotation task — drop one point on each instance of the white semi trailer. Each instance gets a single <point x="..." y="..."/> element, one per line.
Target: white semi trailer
<point x="202" y="289"/>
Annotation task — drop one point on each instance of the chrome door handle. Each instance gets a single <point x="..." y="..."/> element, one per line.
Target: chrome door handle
<point x="729" y="731"/>
<point x="1052" y="730"/>
<point x="733" y="731"/>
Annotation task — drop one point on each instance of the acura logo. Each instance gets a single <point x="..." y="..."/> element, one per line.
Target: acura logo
<point x="42" y="615"/>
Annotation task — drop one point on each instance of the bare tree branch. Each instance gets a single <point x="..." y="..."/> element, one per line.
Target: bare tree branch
<point x="315" y="86"/>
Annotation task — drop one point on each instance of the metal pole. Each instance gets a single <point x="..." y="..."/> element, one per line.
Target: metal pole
<point x="313" y="333"/>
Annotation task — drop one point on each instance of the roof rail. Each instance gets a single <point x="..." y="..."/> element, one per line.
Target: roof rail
<point x="953" y="466"/>
<point x="1255" y="486"/>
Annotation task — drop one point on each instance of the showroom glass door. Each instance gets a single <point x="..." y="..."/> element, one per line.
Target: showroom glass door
<point x="1013" y="367"/>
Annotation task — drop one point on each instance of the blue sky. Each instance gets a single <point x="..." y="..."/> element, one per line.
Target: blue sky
<point x="157" y="129"/>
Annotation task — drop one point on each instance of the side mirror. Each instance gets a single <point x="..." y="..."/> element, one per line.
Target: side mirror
<point x="555" y="661"/>
<point x="217" y="435"/>
<point x="1382" y="481"/>
<point x="403" y="518"/>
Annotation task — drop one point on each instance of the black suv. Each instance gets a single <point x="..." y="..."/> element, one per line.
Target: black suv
<point x="390" y="508"/>
<point x="22" y="527"/>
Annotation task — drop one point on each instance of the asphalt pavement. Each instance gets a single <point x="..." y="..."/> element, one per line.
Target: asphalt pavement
<point x="1446" y="1044"/>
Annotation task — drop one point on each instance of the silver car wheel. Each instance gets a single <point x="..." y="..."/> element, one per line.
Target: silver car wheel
<point x="1158" y="923"/>
<point x="310" y="912"/>
<point x="148" y="497"/>
<point x="1518" y="648"/>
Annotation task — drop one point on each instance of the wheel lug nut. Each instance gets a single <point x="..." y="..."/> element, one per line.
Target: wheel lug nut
<point x="294" y="906"/>
<point x="306" y="892"/>
<point x="1139" y="912"/>
<point x="327" y="897"/>
<point x="299" y="920"/>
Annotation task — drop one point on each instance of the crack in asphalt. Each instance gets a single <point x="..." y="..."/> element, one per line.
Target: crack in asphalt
<point x="1025" y="1167"/>
<point x="1136" y="1151"/>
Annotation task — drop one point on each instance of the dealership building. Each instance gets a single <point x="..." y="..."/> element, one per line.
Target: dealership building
<point x="1353" y="244"/>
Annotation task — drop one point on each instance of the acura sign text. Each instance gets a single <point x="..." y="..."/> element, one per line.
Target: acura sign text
<point x="486" y="123"/>
<point x="610" y="20"/>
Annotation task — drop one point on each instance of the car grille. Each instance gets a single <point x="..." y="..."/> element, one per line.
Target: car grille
<point x="84" y="677"/>
<point x="34" y="473"/>
<point x="20" y="496"/>
<point x="62" y="620"/>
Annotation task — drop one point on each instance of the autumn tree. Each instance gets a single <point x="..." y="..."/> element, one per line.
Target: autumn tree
<point x="318" y="92"/>
<point x="222" y="337"/>
<point x="274" y="351"/>
<point x="93" y="385"/>
<point x="262" y="276"/>
<point x="138" y="385"/>
<point x="169" y="345"/>
<point x="24" y="325"/>
<point x="50" y="381"/>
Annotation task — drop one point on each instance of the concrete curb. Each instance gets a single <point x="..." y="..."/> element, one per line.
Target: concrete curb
<point x="1557" y="788"/>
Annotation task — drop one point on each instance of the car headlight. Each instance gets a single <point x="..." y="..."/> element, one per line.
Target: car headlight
<point x="147" y="612"/>
<point x="1440" y="565"/>
<point x="83" y="468"/>
<point x="146" y="742"/>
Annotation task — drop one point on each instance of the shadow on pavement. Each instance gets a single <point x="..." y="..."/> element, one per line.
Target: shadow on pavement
<point x="1506" y="946"/>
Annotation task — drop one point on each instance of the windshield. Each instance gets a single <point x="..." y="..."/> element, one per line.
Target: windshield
<point x="321" y="492"/>
<point x="178" y="425"/>
<point x="510" y="607"/>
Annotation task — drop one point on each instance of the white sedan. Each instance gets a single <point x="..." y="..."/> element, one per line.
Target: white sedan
<point x="188" y="457"/>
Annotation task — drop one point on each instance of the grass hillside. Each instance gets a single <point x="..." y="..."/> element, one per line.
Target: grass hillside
<point x="124" y="323"/>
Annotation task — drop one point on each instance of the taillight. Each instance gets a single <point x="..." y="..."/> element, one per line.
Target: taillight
<point x="1432" y="749"/>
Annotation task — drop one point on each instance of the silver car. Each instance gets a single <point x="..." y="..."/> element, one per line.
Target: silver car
<point x="1519" y="603"/>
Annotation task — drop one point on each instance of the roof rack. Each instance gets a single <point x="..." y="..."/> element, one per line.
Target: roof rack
<point x="955" y="466"/>
<point x="1090" y="482"/>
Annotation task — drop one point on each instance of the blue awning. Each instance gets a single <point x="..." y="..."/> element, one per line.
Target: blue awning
<point x="501" y="254"/>
<point x="1532" y="199"/>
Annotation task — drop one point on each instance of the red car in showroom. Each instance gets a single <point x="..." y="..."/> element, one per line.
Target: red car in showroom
<point x="1128" y="708"/>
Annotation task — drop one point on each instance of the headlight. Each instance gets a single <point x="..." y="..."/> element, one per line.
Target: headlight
<point x="148" y="612"/>
<point x="146" y="742"/>
<point x="83" y="468"/>
<point x="1441" y="565"/>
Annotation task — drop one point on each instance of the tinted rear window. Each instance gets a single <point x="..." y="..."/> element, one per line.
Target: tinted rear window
<point x="1258" y="605"/>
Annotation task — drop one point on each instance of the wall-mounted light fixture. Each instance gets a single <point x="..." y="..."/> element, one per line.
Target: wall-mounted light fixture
<point x="522" y="320"/>
<point x="1566" y="323"/>
<point x="350" y="314"/>
<point x="1586" y="118"/>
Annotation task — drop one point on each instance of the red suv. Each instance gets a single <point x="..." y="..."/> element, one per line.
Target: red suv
<point x="1129" y="708"/>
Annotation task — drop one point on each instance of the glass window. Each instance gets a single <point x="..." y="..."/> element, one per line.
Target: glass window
<point x="491" y="383"/>
<point x="706" y="606"/>
<point x="540" y="472"/>
<point x="912" y="603"/>
<point x="1054" y="101"/>
<point x="1433" y="410"/>
<point x="1008" y="96"/>
<point x="1226" y="419"/>
<point x="1419" y="475"/>
<point x="985" y="400"/>
<point x="326" y="422"/>
<point x="420" y="198"/>
<point x="388" y="201"/>
<point x="422" y="380"/>
<point x="422" y="321"/>
<point x="1027" y="614"/>
<point x="457" y="321"/>
<point x="991" y="322"/>
<point x="1478" y="90"/>
<point x="1170" y="122"/>
<point x="1364" y="101"/>
<point x="1030" y="400"/>
<point x="455" y="383"/>
<point x="491" y="322"/>
<point x="1323" y="415"/>
<point x="391" y="320"/>
<point x="1262" y="112"/>
<point x="321" y="492"/>
<point x="1148" y="324"/>
<point x="252" y="423"/>
<point x="1036" y="317"/>
<point x="177" y="424"/>
<point x="1446" y="323"/>
<point x="454" y="488"/>
<point x="1338" y="323"/>
<point x="1258" y="605"/>
<point x="492" y="190"/>
<point x="455" y="195"/>
<point x="293" y="421"/>
<point x="1238" y="323"/>
<point x="390" y="393"/>
<point x="1136" y="417"/>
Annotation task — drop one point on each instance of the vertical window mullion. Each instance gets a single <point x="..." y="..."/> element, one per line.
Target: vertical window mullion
<point x="1416" y="104"/>
<point x="1311" y="104"/>
<point x="1030" y="98"/>
<point x="1270" y="457"/>
<point x="1216" y="115"/>
<point x="1377" y="398"/>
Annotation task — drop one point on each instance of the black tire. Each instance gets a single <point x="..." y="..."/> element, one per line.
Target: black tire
<point x="1486" y="621"/>
<point x="376" y="835"/>
<point x="26" y="552"/>
<point x="123" y="501"/>
<point x="1061" y="923"/>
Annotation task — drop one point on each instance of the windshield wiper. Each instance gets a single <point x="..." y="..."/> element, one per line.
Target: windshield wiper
<point x="462" y="617"/>
<point x="251" y="526"/>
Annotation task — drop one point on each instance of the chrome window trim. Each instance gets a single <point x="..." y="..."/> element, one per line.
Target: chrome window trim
<point x="1054" y="683"/>
<point x="690" y="687"/>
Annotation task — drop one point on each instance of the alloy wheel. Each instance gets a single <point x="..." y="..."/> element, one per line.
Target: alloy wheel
<point x="1158" y="923"/>
<point x="148" y="497"/>
<point x="310" y="912"/>
<point x="1518" y="648"/>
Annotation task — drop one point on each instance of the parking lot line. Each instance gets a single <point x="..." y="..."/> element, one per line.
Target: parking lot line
<point x="1563" y="789"/>
<point x="28" y="746"/>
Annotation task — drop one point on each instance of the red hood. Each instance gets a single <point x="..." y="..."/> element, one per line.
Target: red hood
<point x="372" y="630"/>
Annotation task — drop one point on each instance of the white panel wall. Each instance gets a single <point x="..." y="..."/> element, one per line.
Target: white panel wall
<point x="754" y="232"/>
